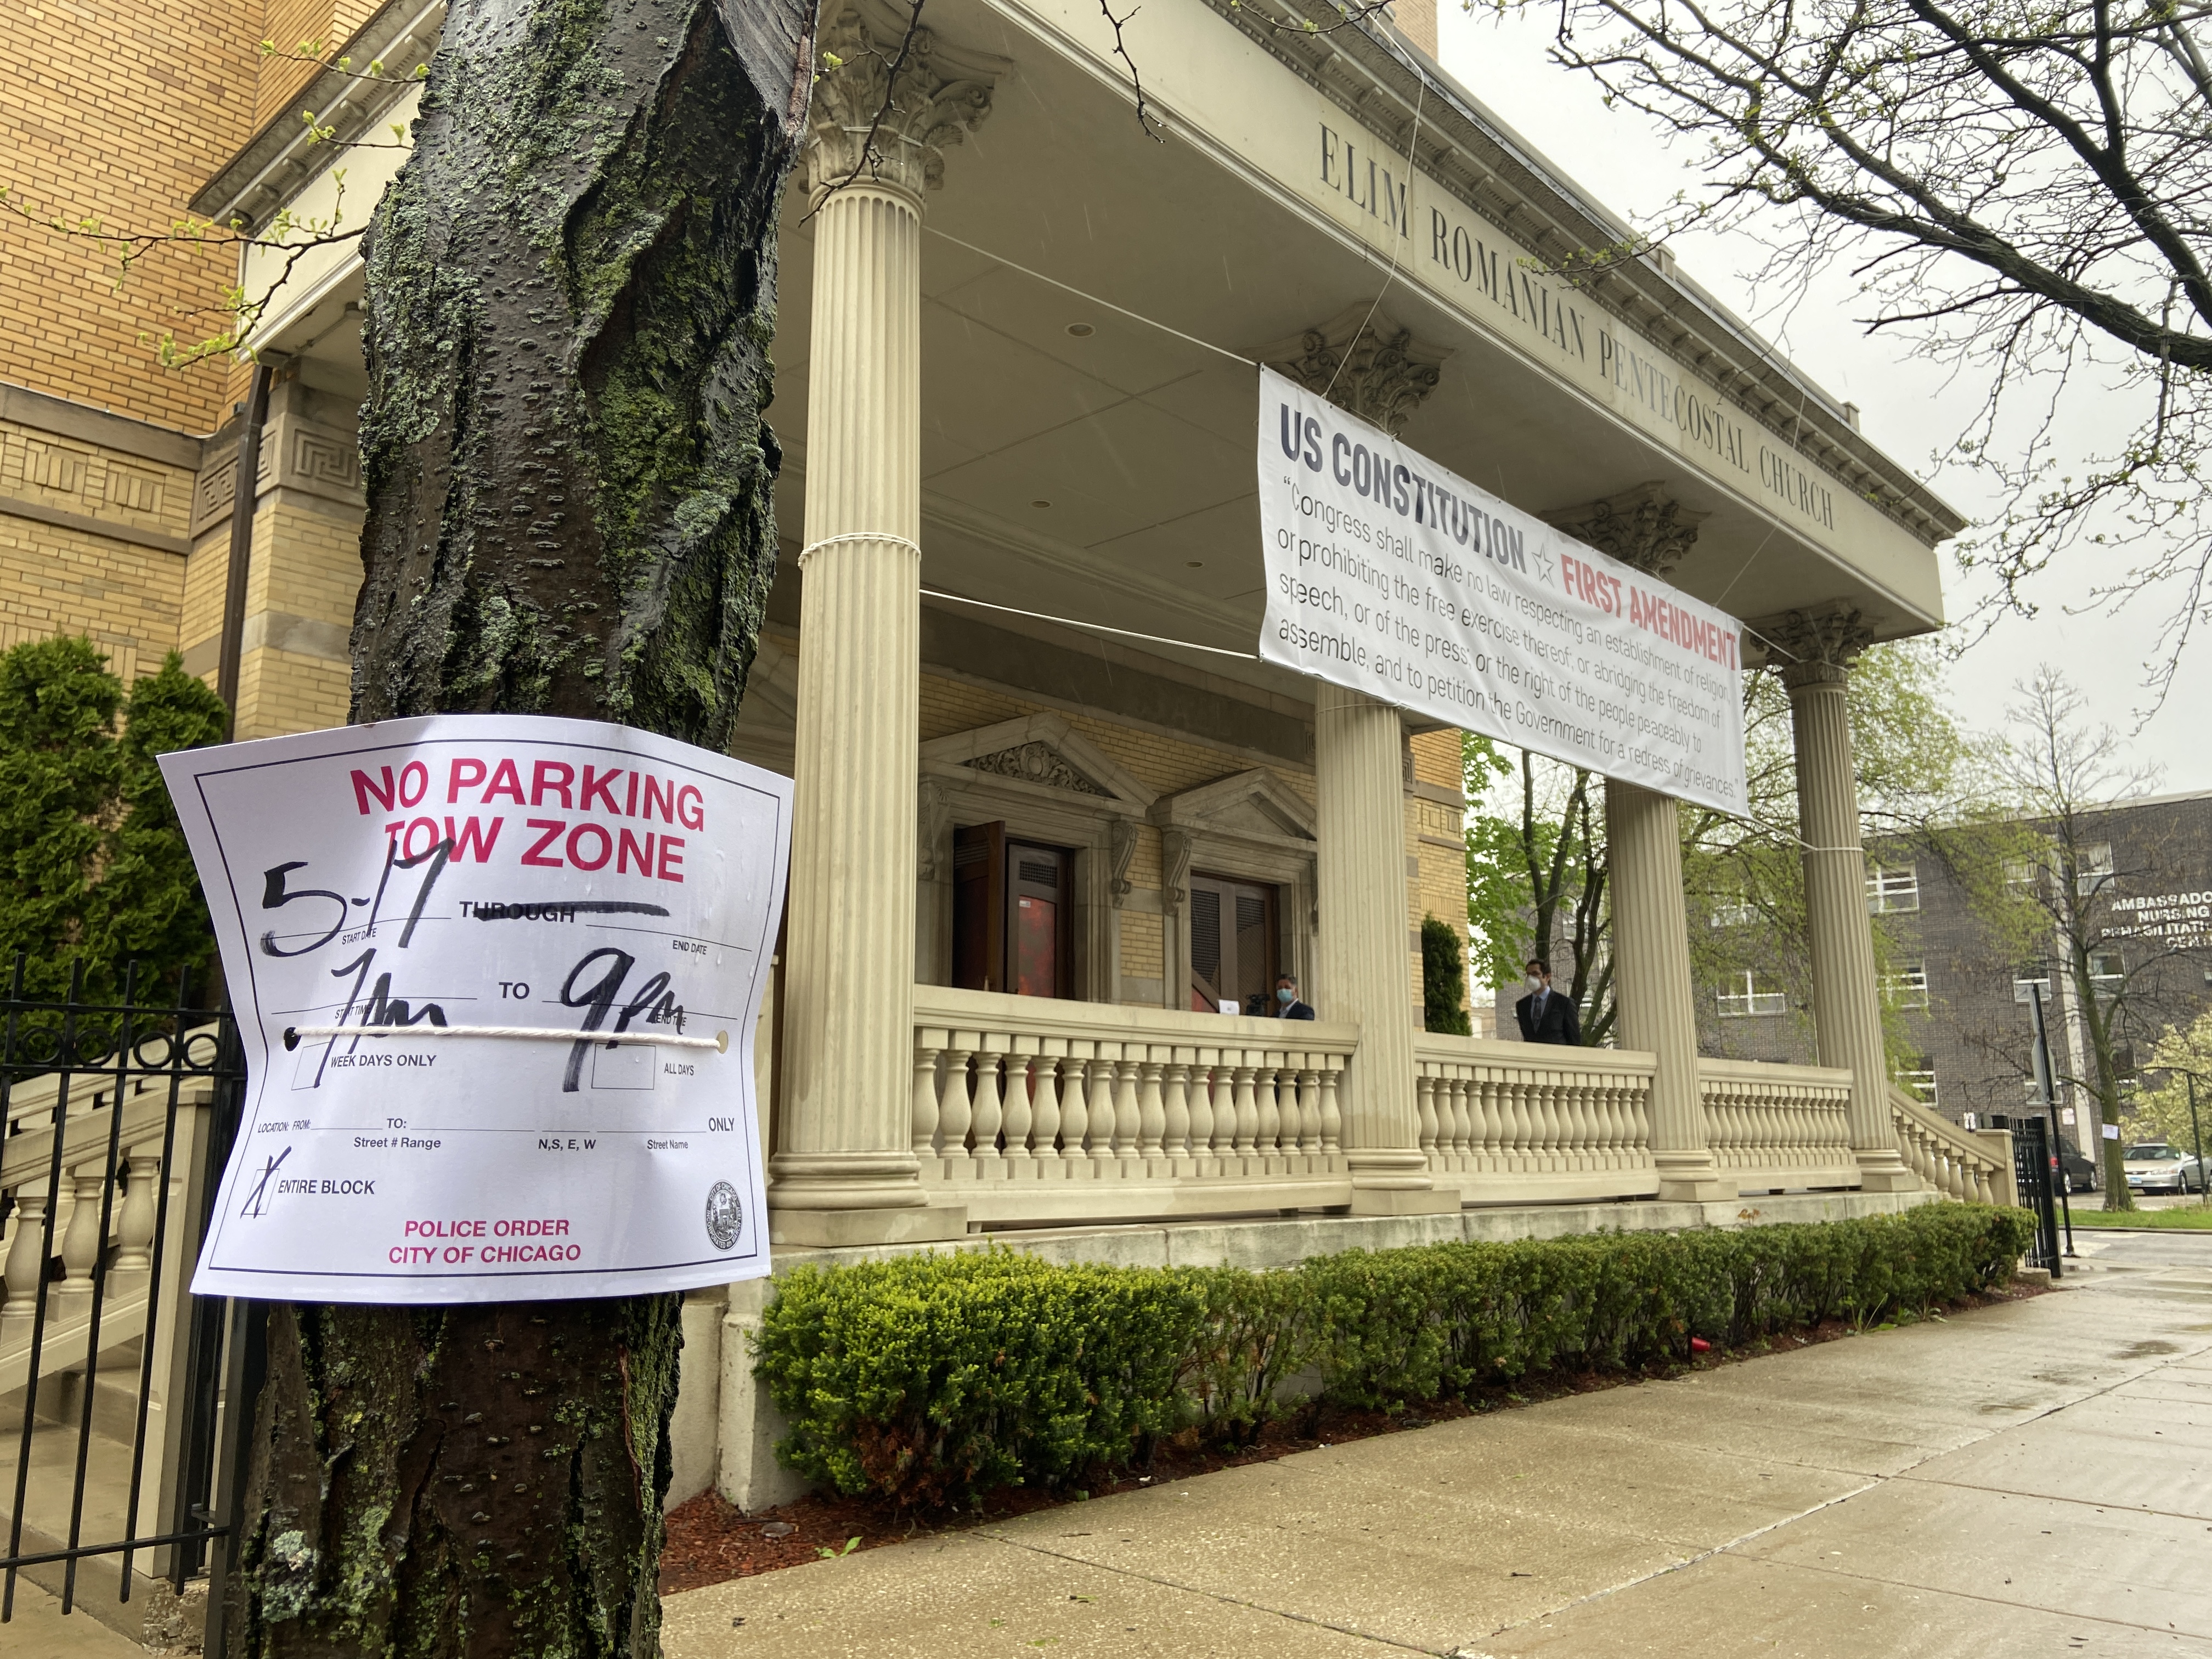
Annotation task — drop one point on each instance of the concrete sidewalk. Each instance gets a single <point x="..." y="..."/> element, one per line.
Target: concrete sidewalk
<point x="2033" y="1478"/>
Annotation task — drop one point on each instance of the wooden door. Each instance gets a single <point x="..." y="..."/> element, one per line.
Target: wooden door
<point x="1233" y="944"/>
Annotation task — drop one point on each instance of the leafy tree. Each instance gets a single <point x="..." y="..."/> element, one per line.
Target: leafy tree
<point x="1536" y="874"/>
<point x="96" y="872"/>
<point x="2164" y="1113"/>
<point x="2064" y="775"/>
<point x="571" y="291"/>
<point x="2020" y="189"/>
<point x="1443" y="978"/>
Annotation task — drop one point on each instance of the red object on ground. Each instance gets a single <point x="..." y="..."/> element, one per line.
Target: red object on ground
<point x="1698" y="1344"/>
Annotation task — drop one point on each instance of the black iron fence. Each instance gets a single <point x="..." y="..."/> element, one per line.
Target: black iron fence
<point x="117" y="1118"/>
<point x="2037" y="1172"/>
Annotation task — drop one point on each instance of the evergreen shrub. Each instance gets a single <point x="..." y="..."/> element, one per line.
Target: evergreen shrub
<point x="931" y="1379"/>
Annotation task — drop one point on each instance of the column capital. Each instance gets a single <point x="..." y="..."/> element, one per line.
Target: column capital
<point x="1817" y="644"/>
<point x="938" y="95"/>
<point x="1643" y="528"/>
<point x="1362" y="361"/>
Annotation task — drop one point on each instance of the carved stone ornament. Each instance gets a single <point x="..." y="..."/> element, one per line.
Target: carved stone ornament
<point x="934" y="812"/>
<point x="1038" y="763"/>
<point x="1123" y="836"/>
<point x="1364" y="363"/>
<point x="1642" y="527"/>
<point x="942" y="94"/>
<point x="1815" y="646"/>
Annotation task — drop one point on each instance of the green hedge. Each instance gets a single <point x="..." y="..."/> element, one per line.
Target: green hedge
<point x="933" y="1378"/>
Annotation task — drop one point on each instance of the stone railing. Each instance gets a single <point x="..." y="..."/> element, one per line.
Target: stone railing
<point x="1510" y="1122"/>
<point x="1975" y="1167"/>
<point x="1030" y="1109"/>
<point x="1777" y="1127"/>
<point x="88" y="1127"/>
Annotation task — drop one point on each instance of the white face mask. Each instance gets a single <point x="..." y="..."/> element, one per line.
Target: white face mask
<point x="1534" y="983"/>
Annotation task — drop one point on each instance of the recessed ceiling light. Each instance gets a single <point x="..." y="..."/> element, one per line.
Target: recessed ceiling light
<point x="1081" y="331"/>
<point x="1040" y="503"/>
<point x="1197" y="564"/>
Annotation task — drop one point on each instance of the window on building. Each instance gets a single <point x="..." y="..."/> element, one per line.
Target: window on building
<point x="2107" y="972"/>
<point x="1906" y="987"/>
<point x="2025" y="981"/>
<point x="1736" y="912"/>
<point x="1749" y="993"/>
<point x="1917" y="1078"/>
<point x="1891" y="888"/>
<point x="2092" y="868"/>
<point x="1232" y="944"/>
<point x="2021" y="874"/>
<point x="1014" y="913"/>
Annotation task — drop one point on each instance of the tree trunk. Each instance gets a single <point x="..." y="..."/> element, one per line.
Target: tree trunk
<point x="571" y="294"/>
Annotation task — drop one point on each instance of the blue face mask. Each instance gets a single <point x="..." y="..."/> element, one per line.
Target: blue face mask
<point x="1285" y="993"/>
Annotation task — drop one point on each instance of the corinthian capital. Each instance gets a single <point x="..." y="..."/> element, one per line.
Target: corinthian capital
<point x="1363" y="362"/>
<point x="1815" y="645"/>
<point x="1642" y="527"/>
<point x="870" y="126"/>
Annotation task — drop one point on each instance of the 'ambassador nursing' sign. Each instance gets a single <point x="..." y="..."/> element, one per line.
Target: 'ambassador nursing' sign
<point x="1389" y="575"/>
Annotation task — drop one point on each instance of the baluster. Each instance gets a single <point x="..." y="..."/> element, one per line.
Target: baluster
<point x="1020" y="1115"/>
<point x="1044" y="1108"/>
<point x="1278" y="1115"/>
<point x="989" y="1114"/>
<point x="26" y="1263"/>
<point x="955" y="1114"/>
<point x="1424" y="1095"/>
<point x="1332" y="1120"/>
<point x="1527" y="1125"/>
<point x="1099" y="1139"/>
<point x="1129" y="1115"/>
<point x="1310" y="1112"/>
<point x="1489" y="1130"/>
<point x="1550" y="1133"/>
<point x="928" y="1050"/>
<point x="133" y="1231"/>
<point x="1202" y="1111"/>
<point x="1451" y="1119"/>
<point x="82" y="1243"/>
<point x="1639" y="1122"/>
<point x="1224" y="1109"/>
<point x="1247" y="1109"/>
<point x="1151" y="1111"/>
<point x="1575" y="1124"/>
<point x="1607" y="1146"/>
<point x="1174" y="1137"/>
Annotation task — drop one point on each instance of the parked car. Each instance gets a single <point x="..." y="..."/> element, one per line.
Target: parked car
<point x="2154" y="1166"/>
<point x="2079" y="1170"/>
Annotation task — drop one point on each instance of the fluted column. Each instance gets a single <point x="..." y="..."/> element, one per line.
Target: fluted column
<point x="845" y="1171"/>
<point x="1846" y="997"/>
<point x="1651" y="979"/>
<point x="1362" y="955"/>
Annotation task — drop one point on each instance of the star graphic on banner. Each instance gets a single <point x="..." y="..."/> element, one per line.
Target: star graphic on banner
<point x="1544" y="565"/>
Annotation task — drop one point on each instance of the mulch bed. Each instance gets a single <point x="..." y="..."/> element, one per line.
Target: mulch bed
<point x="711" y="1541"/>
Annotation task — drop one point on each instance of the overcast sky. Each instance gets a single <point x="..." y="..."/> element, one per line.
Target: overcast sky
<point x="1907" y="408"/>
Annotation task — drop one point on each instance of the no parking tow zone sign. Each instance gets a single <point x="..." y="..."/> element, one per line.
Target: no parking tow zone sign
<point x="497" y="978"/>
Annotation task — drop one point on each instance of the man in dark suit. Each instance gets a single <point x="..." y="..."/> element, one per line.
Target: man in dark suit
<point x="1285" y="1004"/>
<point x="1546" y="1015"/>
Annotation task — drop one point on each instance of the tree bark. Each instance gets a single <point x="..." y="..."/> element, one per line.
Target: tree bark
<point x="570" y="299"/>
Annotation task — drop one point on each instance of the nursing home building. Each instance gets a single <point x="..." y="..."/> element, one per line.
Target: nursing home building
<point x="1040" y="837"/>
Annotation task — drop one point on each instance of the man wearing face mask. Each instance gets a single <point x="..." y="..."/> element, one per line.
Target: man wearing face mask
<point x="1546" y="1015"/>
<point x="1287" y="1005"/>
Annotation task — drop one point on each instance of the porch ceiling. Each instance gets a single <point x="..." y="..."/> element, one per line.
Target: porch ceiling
<point x="1141" y="443"/>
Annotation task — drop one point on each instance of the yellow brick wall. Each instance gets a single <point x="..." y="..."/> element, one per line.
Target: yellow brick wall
<point x="125" y="596"/>
<point x="306" y="563"/>
<point x="120" y="114"/>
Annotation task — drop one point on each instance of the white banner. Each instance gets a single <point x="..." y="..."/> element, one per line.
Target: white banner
<point x="1387" y="575"/>
<point x="497" y="977"/>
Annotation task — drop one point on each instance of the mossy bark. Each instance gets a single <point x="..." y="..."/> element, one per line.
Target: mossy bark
<point x="571" y="297"/>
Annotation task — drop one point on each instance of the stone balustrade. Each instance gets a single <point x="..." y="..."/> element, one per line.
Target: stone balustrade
<point x="1025" y="1107"/>
<point x="1777" y="1127"/>
<point x="1974" y="1167"/>
<point x="1507" y="1121"/>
